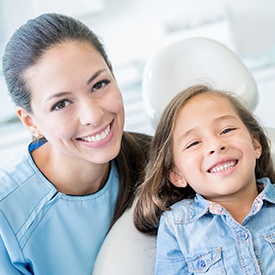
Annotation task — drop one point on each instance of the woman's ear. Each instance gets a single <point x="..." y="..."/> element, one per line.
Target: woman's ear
<point x="177" y="179"/>
<point x="28" y="121"/>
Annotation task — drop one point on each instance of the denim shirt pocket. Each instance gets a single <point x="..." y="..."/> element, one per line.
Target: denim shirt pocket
<point x="270" y="238"/>
<point x="209" y="260"/>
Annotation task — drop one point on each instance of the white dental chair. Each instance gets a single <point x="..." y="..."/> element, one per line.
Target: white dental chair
<point x="196" y="61"/>
<point x="193" y="61"/>
<point x="171" y="69"/>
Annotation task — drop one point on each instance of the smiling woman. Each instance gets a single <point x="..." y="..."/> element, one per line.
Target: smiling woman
<point x="79" y="175"/>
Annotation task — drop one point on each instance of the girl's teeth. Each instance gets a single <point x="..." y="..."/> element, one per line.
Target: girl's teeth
<point x="223" y="167"/>
<point x="98" y="137"/>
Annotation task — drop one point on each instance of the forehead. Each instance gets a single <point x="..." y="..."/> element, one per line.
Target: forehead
<point x="205" y="107"/>
<point x="68" y="48"/>
<point x="64" y="59"/>
<point x="209" y="101"/>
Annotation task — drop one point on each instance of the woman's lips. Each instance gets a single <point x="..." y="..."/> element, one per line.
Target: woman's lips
<point x="97" y="137"/>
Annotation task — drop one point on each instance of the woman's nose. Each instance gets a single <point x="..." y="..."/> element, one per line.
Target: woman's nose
<point x="90" y="113"/>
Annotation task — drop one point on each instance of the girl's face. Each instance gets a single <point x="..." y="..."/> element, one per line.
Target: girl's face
<point x="213" y="151"/>
<point x="76" y="103"/>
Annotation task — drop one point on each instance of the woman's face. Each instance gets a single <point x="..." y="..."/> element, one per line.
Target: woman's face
<point x="76" y="103"/>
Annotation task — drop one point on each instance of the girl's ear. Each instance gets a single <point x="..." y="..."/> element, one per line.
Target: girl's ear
<point x="177" y="179"/>
<point x="257" y="146"/>
<point x="28" y="121"/>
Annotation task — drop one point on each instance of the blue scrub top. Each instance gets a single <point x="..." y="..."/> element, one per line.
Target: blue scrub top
<point x="45" y="232"/>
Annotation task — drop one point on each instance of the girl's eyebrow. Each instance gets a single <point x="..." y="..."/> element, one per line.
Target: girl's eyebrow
<point x="184" y="135"/>
<point x="225" y="117"/>
<point x="216" y="120"/>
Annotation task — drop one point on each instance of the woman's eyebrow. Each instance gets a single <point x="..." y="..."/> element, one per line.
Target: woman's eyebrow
<point x="60" y="94"/>
<point x="94" y="76"/>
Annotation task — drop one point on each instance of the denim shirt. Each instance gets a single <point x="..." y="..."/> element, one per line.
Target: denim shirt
<point x="200" y="237"/>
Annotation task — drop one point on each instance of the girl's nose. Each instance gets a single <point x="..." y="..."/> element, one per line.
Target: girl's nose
<point x="90" y="113"/>
<point x="216" y="145"/>
<point x="217" y="149"/>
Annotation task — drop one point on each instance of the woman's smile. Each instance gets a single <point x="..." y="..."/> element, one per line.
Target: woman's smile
<point x="97" y="137"/>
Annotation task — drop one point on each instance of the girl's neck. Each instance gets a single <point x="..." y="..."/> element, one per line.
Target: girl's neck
<point x="71" y="177"/>
<point x="240" y="205"/>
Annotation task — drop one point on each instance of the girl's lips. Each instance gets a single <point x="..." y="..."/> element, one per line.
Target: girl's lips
<point x="223" y="166"/>
<point x="97" y="137"/>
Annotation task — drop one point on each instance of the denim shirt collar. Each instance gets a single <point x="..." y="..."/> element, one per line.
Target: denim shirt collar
<point x="202" y="206"/>
<point x="268" y="193"/>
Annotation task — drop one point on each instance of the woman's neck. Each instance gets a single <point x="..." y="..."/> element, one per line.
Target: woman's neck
<point x="70" y="176"/>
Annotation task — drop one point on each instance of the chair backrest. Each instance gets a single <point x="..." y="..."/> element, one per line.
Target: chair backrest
<point x="193" y="61"/>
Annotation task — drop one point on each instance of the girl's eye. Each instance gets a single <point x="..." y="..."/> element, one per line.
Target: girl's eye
<point x="60" y="105"/>
<point x="101" y="84"/>
<point x="192" y="144"/>
<point x="227" y="130"/>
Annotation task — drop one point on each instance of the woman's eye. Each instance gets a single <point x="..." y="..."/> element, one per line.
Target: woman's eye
<point x="227" y="130"/>
<point x="101" y="84"/>
<point x="60" y="105"/>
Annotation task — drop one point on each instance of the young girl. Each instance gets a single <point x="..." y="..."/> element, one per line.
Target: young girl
<point x="211" y="156"/>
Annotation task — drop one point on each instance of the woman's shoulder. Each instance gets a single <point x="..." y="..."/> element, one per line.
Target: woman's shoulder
<point x="20" y="188"/>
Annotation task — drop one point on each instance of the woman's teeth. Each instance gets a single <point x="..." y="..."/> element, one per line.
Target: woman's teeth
<point x="223" y="167"/>
<point x="98" y="137"/>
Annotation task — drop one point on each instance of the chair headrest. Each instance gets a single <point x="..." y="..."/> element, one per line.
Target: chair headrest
<point x="192" y="61"/>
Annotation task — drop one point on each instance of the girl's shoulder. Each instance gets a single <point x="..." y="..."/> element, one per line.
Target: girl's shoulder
<point x="184" y="211"/>
<point x="187" y="210"/>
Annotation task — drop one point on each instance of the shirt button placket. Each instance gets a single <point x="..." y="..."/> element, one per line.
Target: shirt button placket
<point x="244" y="235"/>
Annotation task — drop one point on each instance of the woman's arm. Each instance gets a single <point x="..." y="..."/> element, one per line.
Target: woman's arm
<point x="11" y="258"/>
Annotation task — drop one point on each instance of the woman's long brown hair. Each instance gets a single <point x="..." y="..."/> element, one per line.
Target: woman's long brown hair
<point x="131" y="162"/>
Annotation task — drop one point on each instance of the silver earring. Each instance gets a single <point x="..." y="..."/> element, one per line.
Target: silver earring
<point x="38" y="136"/>
<point x="180" y="182"/>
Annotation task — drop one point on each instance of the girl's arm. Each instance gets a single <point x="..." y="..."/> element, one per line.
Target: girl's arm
<point x="169" y="257"/>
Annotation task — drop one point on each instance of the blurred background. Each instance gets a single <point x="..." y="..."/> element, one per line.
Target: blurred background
<point x="134" y="30"/>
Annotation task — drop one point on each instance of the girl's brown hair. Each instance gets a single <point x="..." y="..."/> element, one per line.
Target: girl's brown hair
<point x="157" y="193"/>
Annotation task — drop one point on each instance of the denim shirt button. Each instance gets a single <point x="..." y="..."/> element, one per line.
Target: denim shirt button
<point x="244" y="235"/>
<point x="202" y="263"/>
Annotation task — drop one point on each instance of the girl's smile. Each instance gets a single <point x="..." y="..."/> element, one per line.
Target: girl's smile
<point x="223" y="166"/>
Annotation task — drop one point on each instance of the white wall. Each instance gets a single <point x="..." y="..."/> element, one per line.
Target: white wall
<point x="132" y="30"/>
